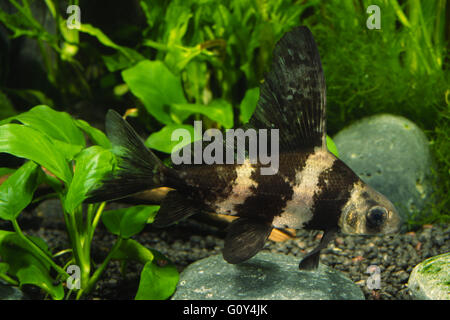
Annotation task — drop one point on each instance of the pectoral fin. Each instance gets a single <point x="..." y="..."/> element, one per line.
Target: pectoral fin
<point x="311" y="260"/>
<point x="244" y="239"/>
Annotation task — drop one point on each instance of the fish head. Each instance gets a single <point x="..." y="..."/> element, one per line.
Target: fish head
<point x="368" y="212"/>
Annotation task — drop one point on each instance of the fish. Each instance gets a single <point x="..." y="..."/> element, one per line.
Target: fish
<point x="312" y="189"/>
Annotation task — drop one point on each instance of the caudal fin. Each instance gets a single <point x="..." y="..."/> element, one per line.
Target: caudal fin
<point x="138" y="168"/>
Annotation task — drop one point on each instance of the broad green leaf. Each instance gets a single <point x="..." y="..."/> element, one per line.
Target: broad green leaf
<point x="5" y="171"/>
<point x="332" y="147"/>
<point x="33" y="274"/>
<point x="59" y="126"/>
<point x="131" y="250"/>
<point x="25" y="266"/>
<point x="91" y="165"/>
<point x="157" y="88"/>
<point x="17" y="191"/>
<point x="248" y="104"/>
<point x="151" y="217"/>
<point x="127" y="222"/>
<point x="56" y="124"/>
<point x="159" y="279"/>
<point x="96" y="135"/>
<point x="162" y="140"/>
<point x="26" y="142"/>
<point x="218" y="110"/>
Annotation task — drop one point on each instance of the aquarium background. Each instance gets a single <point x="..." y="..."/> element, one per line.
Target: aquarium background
<point x="163" y="64"/>
<point x="169" y="62"/>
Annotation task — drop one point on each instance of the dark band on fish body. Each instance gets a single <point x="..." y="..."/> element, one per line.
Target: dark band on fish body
<point x="335" y="186"/>
<point x="272" y="191"/>
<point x="208" y="183"/>
<point x="264" y="203"/>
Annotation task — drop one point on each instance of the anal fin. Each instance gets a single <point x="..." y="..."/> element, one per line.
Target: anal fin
<point x="174" y="207"/>
<point x="244" y="239"/>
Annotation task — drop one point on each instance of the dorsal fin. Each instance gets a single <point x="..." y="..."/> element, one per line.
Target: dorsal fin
<point x="292" y="97"/>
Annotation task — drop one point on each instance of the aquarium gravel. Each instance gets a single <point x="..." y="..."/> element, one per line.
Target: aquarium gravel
<point x="190" y="240"/>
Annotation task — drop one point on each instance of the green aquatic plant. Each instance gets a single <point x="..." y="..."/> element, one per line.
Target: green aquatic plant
<point x="57" y="154"/>
<point x="397" y="69"/>
<point x="57" y="48"/>
<point x="200" y="60"/>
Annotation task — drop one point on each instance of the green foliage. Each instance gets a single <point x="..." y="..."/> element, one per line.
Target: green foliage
<point x="397" y="69"/>
<point x="129" y="221"/>
<point x="55" y="140"/>
<point x="27" y="142"/>
<point x="207" y="53"/>
<point x="91" y="165"/>
<point x="57" y="49"/>
<point x="332" y="147"/>
<point x="159" y="276"/>
<point x="21" y="262"/>
<point x="158" y="279"/>
<point x="158" y="140"/>
<point x="59" y="126"/>
<point x="157" y="87"/>
<point x="17" y="191"/>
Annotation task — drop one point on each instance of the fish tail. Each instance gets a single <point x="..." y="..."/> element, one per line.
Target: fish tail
<point x="138" y="168"/>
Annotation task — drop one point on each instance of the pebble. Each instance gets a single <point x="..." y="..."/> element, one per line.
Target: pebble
<point x="266" y="276"/>
<point x="430" y="279"/>
<point x="392" y="155"/>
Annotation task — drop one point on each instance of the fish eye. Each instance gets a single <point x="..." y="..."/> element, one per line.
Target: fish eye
<point x="376" y="216"/>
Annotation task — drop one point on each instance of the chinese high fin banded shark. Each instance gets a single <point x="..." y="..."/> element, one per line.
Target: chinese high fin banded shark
<point x="312" y="189"/>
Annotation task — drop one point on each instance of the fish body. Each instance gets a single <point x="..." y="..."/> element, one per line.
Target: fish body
<point x="312" y="189"/>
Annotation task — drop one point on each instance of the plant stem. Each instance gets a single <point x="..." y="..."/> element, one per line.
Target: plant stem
<point x="95" y="221"/>
<point x="81" y="256"/>
<point x="60" y="253"/>
<point x="39" y="251"/>
<point x="399" y="12"/>
<point x="93" y="280"/>
<point x="8" y="279"/>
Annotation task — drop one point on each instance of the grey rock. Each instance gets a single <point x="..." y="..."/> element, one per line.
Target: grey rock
<point x="10" y="293"/>
<point x="392" y="155"/>
<point x="430" y="279"/>
<point x="267" y="276"/>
